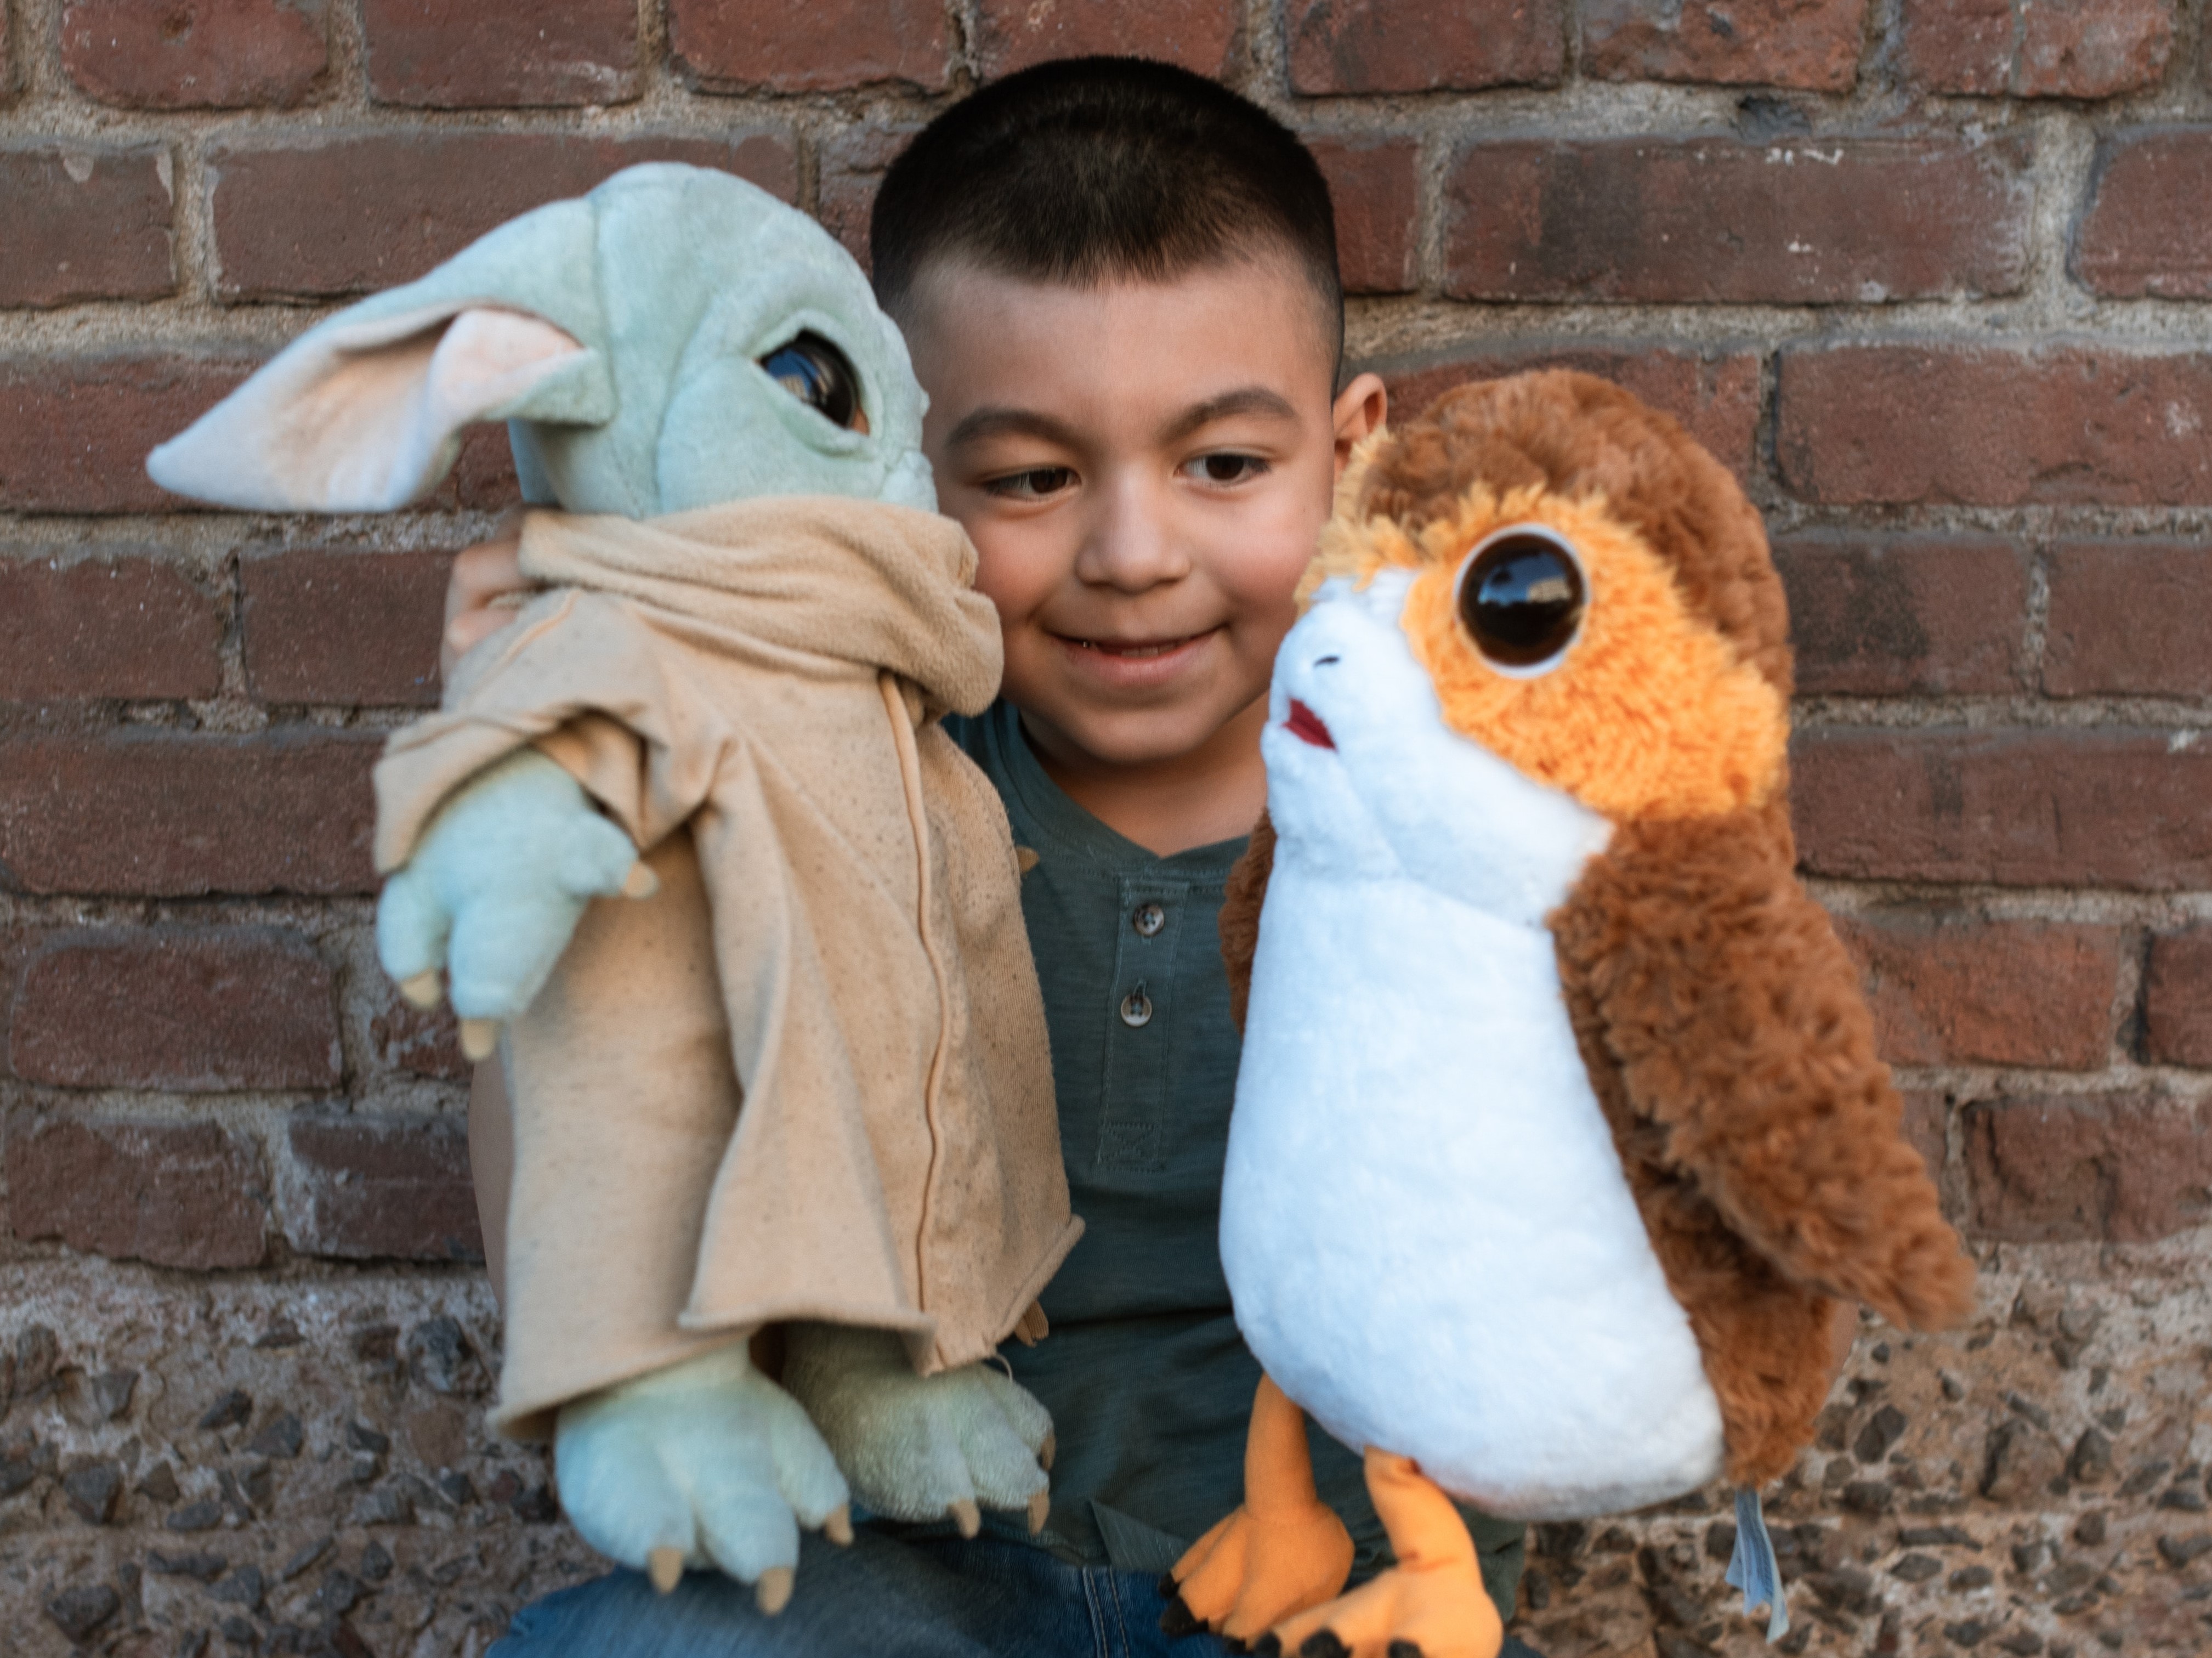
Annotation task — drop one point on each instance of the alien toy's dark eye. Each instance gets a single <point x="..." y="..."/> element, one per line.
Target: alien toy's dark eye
<point x="816" y="373"/>
<point x="1520" y="598"/>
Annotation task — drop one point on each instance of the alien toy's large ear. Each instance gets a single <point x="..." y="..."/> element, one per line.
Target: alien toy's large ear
<point x="364" y="412"/>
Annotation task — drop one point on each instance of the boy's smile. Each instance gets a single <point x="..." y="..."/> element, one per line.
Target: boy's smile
<point x="1144" y="467"/>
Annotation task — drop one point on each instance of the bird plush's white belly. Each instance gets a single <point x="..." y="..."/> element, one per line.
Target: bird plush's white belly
<point x="1426" y="1228"/>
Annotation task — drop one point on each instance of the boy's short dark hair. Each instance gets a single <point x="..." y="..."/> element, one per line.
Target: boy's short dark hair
<point x="1088" y="169"/>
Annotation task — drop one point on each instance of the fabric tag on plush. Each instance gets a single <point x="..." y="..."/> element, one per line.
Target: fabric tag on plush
<point x="1752" y="1566"/>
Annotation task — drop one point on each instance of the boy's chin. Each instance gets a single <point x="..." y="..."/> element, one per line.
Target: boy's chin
<point x="1130" y="739"/>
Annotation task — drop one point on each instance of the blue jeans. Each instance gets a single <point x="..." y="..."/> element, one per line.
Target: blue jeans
<point x="884" y="1597"/>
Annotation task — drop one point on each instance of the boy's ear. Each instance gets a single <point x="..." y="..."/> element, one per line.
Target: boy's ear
<point x="1360" y="410"/>
<point x="367" y="416"/>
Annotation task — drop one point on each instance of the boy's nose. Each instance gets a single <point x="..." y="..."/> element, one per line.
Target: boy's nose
<point x="1132" y="546"/>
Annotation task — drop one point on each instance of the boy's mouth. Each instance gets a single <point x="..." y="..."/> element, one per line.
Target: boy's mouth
<point x="1133" y="650"/>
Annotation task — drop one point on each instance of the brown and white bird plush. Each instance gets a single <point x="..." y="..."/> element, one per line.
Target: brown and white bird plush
<point x="1560" y="1128"/>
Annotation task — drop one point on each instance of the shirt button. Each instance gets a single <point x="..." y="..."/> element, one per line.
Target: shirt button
<point x="1137" y="1008"/>
<point x="1148" y="919"/>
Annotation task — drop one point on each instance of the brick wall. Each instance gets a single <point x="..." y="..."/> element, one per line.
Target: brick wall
<point x="1932" y="275"/>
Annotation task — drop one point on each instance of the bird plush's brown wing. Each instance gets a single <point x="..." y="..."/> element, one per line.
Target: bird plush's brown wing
<point x="1240" y="913"/>
<point x="1745" y="1059"/>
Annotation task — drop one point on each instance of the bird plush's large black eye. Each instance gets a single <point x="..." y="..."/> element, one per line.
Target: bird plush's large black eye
<point x="1520" y="598"/>
<point x="816" y="373"/>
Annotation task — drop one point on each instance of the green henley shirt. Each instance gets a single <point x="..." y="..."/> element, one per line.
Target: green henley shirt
<point x="1149" y="1385"/>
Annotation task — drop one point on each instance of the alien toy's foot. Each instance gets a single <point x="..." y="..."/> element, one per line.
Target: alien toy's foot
<point x="1252" y="1570"/>
<point x="1435" y="1612"/>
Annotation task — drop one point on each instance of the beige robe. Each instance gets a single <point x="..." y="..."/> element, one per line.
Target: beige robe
<point x="751" y="692"/>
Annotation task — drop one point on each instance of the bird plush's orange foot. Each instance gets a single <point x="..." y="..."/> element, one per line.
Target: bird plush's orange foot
<point x="1440" y="1612"/>
<point x="1251" y="1572"/>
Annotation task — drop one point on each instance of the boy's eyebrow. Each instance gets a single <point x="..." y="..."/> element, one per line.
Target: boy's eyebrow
<point x="1244" y="400"/>
<point x="997" y="420"/>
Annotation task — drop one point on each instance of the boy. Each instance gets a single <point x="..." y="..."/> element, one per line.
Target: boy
<point x="1118" y="281"/>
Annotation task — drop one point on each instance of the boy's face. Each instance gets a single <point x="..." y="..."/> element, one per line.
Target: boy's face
<point x="1144" y="468"/>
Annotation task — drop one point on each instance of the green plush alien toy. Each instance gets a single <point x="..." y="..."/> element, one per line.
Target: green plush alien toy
<point x="690" y="849"/>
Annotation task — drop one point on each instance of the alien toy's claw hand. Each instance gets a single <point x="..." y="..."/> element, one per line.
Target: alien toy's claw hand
<point x="921" y="1448"/>
<point x="494" y="889"/>
<point x="706" y="1463"/>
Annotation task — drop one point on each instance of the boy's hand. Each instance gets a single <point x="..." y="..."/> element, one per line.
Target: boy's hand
<point x="921" y="1449"/>
<point x="486" y="584"/>
<point x="707" y="1463"/>
<point x="495" y="888"/>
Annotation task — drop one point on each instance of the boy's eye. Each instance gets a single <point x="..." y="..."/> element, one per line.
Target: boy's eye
<point x="1225" y="468"/>
<point x="816" y="373"/>
<point x="1034" y="484"/>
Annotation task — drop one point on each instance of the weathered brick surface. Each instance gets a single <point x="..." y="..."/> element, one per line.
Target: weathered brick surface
<point x="406" y="1038"/>
<point x="2143" y="233"/>
<point x="1204" y="35"/>
<point x="2177" y="998"/>
<point x="177" y="1194"/>
<point x="2106" y="807"/>
<point x="84" y="222"/>
<point x="1987" y="426"/>
<point x="733" y="44"/>
<point x="344" y="215"/>
<point x="195" y="1010"/>
<point x="1715" y="219"/>
<point x="1813" y="44"/>
<point x="195" y="54"/>
<point x="1951" y="990"/>
<point x="2127" y="1167"/>
<point x="369" y="1189"/>
<point x="850" y="169"/>
<point x="346" y="628"/>
<point x="481" y="54"/>
<point x="2036" y="48"/>
<point x="74" y="431"/>
<point x="1871" y="616"/>
<point x="112" y="627"/>
<point x="2129" y="618"/>
<point x="1375" y="188"/>
<point x="1402" y="46"/>
<point x="160" y="813"/>
<point x="1715" y="395"/>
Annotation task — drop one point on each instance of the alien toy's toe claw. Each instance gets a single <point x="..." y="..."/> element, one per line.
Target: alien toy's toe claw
<point x="664" y="1566"/>
<point x="479" y="1038"/>
<point x="773" y="1593"/>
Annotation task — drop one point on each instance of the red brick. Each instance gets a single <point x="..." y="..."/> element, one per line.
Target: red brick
<point x="195" y="54"/>
<point x="1991" y="426"/>
<point x="377" y="1188"/>
<point x="2177" y="998"/>
<point x="166" y="814"/>
<point x="185" y="1195"/>
<point x="1717" y="220"/>
<point x="1812" y="44"/>
<point x="1950" y="990"/>
<point x="1927" y="1118"/>
<point x="1410" y="45"/>
<point x="1375" y="187"/>
<point x="2128" y="618"/>
<point x="195" y="1010"/>
<point x="1715" y="396"/>
<point x="84" y="222"/>
<point x="2146" y="231"/>
<point x="824" y="46"/>
<point x="75" y="432"/>
<point x="121" y="627"/>
<point x="344" y="627"/>
<point x="483" y="478"/>
<point x="2064" y="807"/>
<point x="1875" y="618"/>
<point x="850" y="169"/>
<point x="403" y="1037"/>
<point x="2036" y="48"/>
<point x="1204" y="35"/>
<point x="344" y="214"/>
<point x="2092" y="48"/>
<point x="2126" y="1168"/>
<point x="494" y="54"/>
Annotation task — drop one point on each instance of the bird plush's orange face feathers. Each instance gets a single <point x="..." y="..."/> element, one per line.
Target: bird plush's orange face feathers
<point x="1559" y="641"/>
